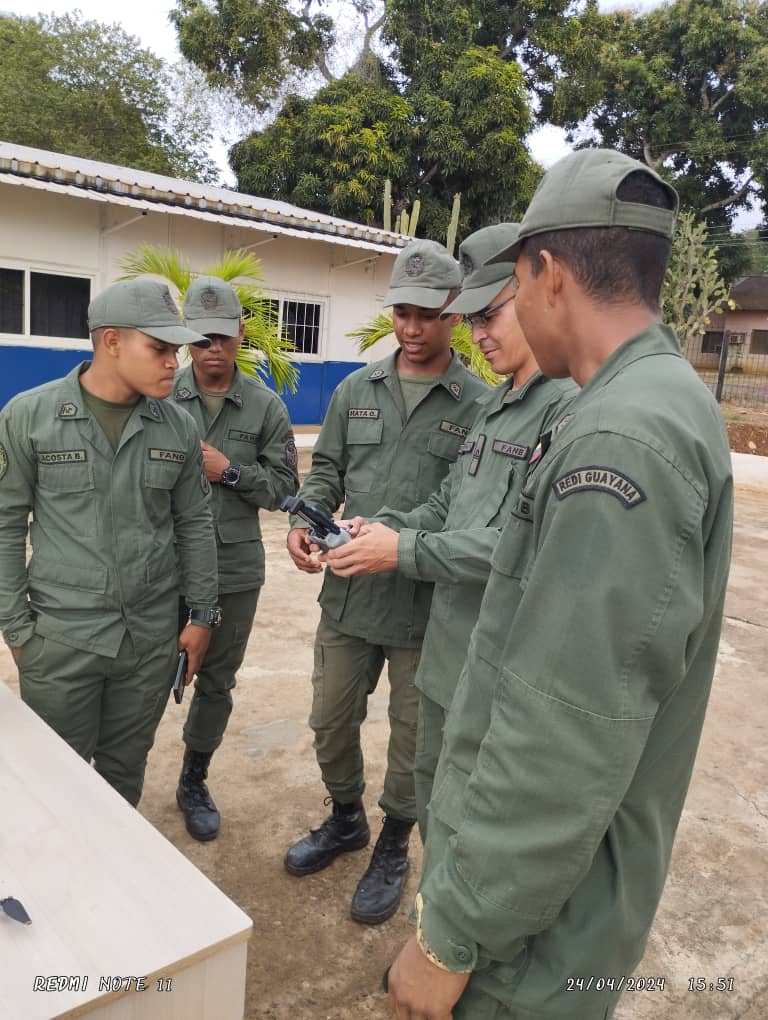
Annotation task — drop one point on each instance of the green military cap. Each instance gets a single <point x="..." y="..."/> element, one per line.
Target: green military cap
<point x="212" y="306"/>
<point x="580" y="191"/>
<point x="145" y="305"/>
<point x="481" y="282"/>
<point x="424" y="274"/>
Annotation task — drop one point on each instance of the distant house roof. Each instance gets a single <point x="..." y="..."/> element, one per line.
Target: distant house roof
<point x="146" y="192"/>
<point x="750" y="293"/>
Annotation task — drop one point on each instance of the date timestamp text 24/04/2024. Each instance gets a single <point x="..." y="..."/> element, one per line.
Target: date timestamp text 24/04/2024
<point x="647" y="984"/>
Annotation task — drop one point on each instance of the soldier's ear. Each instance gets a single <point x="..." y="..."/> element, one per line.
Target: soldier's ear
<point x="110" y="340"/>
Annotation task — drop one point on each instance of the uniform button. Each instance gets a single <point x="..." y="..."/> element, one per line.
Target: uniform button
<point x="13" y="637"/>
<point x="462" y="954"/>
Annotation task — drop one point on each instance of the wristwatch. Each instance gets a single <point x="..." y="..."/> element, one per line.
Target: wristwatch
<point x="210" y="617"/>
<point x="231" y="475"/>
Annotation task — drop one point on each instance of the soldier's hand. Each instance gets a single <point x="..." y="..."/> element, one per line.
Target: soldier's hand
<point x="214" y="462"/>
<point x="372" y="552"/>
<point x="353" y="526"/>
<point x="195" y="639"/>
<point x="300" y="549"/>
<point x="418" y="990"/>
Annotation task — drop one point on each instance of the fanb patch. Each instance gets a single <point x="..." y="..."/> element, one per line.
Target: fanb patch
<point x="61" y="456"/>
<point x="174" y="456"/>
<point x="243" y="437"/>
<point x="3" y="461"/>
<point x="454" y="429"/>
<point x="364" y="412"/>
<point x="513" y="450"/>
<point x="600" y="479"/>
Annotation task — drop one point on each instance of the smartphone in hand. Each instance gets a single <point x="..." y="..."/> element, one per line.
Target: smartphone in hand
<point x="181" y="675"/>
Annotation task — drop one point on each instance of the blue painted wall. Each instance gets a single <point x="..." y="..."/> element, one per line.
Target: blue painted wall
<point x="21" y="368"/>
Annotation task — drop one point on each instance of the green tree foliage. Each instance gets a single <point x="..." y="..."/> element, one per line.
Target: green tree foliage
<point x="88" y="89"/>
<point x="330" y="153"/>
<point x="253" y="46"/>
<point x="693" y="288"/>
<point x="682" y="87"/>
<point x="444" y="112"/>
<point x="264" y="350"/>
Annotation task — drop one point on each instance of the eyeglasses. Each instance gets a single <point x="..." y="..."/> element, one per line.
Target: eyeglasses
<point x="482" y="318"/>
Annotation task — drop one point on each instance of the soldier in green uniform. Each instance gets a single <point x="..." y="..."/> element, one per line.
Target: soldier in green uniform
<point x="113" y="476"/>
<point x="449" y="539"/>
<point x="250" y="459"/>
<point x="570" y="742"/>
<point x="392" y="430"/>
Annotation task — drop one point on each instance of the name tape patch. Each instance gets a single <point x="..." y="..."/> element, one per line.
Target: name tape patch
<point x="513" y="450"/>
<point x="453" y="429"/>
<point x="61" y="456"/>
<point x="174" y="456"/>
<point x="364" y="412"/>
<point x="600" y="479"/>
<point x="242" y="437"/>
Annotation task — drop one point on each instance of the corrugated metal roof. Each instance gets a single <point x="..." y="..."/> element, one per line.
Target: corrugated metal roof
<point x="750" y="293"/>
<point x="83" y="178"/>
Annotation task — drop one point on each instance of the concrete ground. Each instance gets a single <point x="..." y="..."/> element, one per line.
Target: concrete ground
<point x="309" y="961"/>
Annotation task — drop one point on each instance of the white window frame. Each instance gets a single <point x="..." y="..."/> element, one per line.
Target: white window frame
<point x="28" y="339"/>
<point x="313" y="299"/>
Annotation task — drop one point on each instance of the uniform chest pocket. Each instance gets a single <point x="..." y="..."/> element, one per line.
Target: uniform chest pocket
<point x="364" y="431"/>
<point x="485" y="500"/>
<point x="161" y="475"/>
<point x="513" y="552"/>
<point x="65" y="476"/>
<point x="444" y="446"/>
<point x="364" y="443"/>
<point x="242" y="447"/>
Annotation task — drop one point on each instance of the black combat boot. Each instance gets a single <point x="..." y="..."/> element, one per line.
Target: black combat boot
<point x="378" y="892"/>
<point x="346" y="829"/>
<point x="200" y="814"/>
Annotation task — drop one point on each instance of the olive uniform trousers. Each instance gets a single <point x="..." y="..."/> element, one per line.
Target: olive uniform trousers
<point x="347" y="670"/>
<point x="106" y="709"/>
<point x="211" y="704"/>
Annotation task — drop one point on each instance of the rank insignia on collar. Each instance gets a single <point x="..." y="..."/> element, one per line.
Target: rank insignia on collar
<point x="153" y="409"/>
<point x="67" y="410"/>
<point x="377" y="373"/>
<point x="237" y="400"/>
<point x="455" y="389"/>
<point x="183" y="393"/>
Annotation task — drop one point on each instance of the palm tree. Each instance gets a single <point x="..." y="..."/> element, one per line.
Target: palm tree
<point x="461" y="341"/>
<point x="265" y="351"/>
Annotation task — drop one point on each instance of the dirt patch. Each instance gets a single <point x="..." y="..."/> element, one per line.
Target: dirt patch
<point x="747" y="429"/>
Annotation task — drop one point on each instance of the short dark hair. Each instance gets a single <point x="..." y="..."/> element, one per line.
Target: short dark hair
<point x="613" y="264"/>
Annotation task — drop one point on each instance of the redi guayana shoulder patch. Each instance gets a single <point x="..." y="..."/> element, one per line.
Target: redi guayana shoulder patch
<point x="595" y="478"/>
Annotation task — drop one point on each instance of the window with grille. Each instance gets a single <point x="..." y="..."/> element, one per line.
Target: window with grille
<point x="712" y="342"/>
<point x="44" y="304"/>
<point x="759" y="342"/>
<point x="299" y="321"/>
